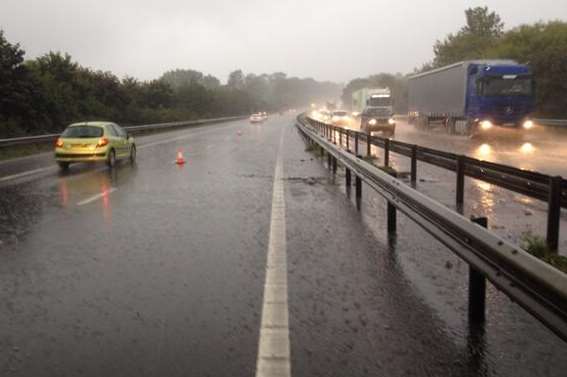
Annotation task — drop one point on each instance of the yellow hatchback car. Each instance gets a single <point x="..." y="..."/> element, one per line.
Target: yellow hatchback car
<point x="94" y="142"/>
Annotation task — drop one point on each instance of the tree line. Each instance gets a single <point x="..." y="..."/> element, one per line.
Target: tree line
<point x="542" y="46"/>
<point x="45" y="94"/>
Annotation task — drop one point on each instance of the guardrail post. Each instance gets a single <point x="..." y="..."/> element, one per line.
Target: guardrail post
<point x="391" y="212"/>
<point x="348" y="180"/>
<point x="368" y="153"/>
<point x="387" y="152"/>
<point x="358" y="188"/>
<point x="460" y="183"/>
<point x="334" y="165"/>
<point x="554" y="213"/>
<point x="356" y="144"/>
<point x="347" y="141"/>
<point x="414" y="164"/>
<point x="329" y="160"/>
<point x="477" y="286"/>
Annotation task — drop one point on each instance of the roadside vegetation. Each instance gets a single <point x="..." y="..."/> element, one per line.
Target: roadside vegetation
<point x="45" y="94"/>
<point x="536" y="246"/>
<point x="542" y="46"/>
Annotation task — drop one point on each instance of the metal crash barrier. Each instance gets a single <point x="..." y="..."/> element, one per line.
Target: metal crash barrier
<point x="533" y="284"/>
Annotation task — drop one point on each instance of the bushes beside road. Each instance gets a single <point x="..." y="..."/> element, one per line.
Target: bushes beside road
<point x="43" y="95"/>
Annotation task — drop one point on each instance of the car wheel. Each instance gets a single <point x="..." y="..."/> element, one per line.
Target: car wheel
<point x="63" y="165"/>
<point x="133" y="154"/>
<point x="111" y="161"/>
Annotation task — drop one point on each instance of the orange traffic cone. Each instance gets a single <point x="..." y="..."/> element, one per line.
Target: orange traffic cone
<point x="179" y="160"/>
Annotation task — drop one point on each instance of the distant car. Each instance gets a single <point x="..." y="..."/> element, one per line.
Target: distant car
<point x="256" y="118"/>
<point x="94" y="142"/>
<point x="324" y="115"/>
<point x="341" y="118"/>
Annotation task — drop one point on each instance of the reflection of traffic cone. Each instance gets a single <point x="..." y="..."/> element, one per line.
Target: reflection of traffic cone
<point x="179" y="160"/>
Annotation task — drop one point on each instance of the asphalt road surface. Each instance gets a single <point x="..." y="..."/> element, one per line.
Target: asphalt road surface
<point x="164" y="270"/>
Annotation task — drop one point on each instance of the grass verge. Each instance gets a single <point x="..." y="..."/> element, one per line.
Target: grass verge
<point x="536" y="246"/>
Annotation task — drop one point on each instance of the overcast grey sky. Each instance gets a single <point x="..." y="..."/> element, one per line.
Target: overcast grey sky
<point x="323" y="39"/>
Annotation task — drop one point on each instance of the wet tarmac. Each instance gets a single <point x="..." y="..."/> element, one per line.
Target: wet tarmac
<point x="158" y="270"/>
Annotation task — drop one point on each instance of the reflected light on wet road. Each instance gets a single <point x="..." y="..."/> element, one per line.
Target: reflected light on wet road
<point x="63" y="192"/>
<point x="527" y="148"/>
<point x="483" y="151"/>
<point x="106" y="208"/>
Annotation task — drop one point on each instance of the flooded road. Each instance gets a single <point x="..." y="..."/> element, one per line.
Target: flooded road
<point x="159" y="270"/>
<point x="541" y="149"/>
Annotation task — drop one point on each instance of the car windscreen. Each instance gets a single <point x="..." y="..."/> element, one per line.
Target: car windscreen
<point x="506" y="86"/>
<point x="376" y="112"/>
<point x="380" y="101"/>
<point x="340" y="113"/>
<point x="82" y="132"/>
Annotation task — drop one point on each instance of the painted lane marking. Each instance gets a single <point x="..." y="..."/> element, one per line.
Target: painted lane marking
<point x="27" y="173"/>
<point x="187" y="136"/>
<point x="274" y="350"/>
<point x="97" y="196"/>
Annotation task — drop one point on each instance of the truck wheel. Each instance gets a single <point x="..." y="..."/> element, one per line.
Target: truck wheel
<point x="451" y="122"/>
<point x="63" y="165"/>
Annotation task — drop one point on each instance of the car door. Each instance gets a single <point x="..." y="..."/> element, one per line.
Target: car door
<point x="115" y="140"/>
<point x="127" y="143"/>
<point x="122" y="148"/>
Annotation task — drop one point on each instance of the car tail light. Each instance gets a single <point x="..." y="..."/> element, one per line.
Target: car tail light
<point x="59" y="143"/>
<point x="102" y="142"/>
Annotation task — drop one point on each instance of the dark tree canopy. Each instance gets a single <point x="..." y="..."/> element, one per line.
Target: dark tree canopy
<point x="45" y="94"/>
<point x="482" y="30"/>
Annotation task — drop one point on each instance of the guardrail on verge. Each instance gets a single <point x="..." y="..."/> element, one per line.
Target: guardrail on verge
<point x="536" y="286"/>
<point x="552" y="190"/>
<point x="132" y="129"/>
<point x="552" y="122"/>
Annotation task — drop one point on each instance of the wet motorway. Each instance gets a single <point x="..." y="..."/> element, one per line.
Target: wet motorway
<point x="156" y="269"/>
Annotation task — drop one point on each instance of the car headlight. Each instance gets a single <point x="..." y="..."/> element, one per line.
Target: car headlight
<point x="528" y="124"/>
<point x="486" y="125"/>
<point x="372" y="122"/>
<point x="391" y="121"/>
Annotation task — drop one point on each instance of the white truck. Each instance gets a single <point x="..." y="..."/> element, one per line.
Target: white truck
<point x="374" y="106"/>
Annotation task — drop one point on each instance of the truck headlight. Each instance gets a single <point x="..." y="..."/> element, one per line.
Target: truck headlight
<point x="528" y="124"/>
<point x="372" y="122"/>
<point x="486" y="125"/>
<point x="391" y="121"/>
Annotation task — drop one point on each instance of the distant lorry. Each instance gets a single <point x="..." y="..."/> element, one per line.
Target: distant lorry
<point x="471" y="97"/>
<point x="374" y="106"/>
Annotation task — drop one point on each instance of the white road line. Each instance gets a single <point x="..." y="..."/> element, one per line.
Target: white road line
<point x="26" y="173"/>
<point x="187" y="136"/>
<point x="97" y="196"/>
<point x="273" y="350"/>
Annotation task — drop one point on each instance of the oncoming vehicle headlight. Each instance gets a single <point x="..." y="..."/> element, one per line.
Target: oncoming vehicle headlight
<point x="391" y="121"/>
<point x="372" y="122"/>
<point x="486" y="124"/>
<point x="528" y="124"/>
